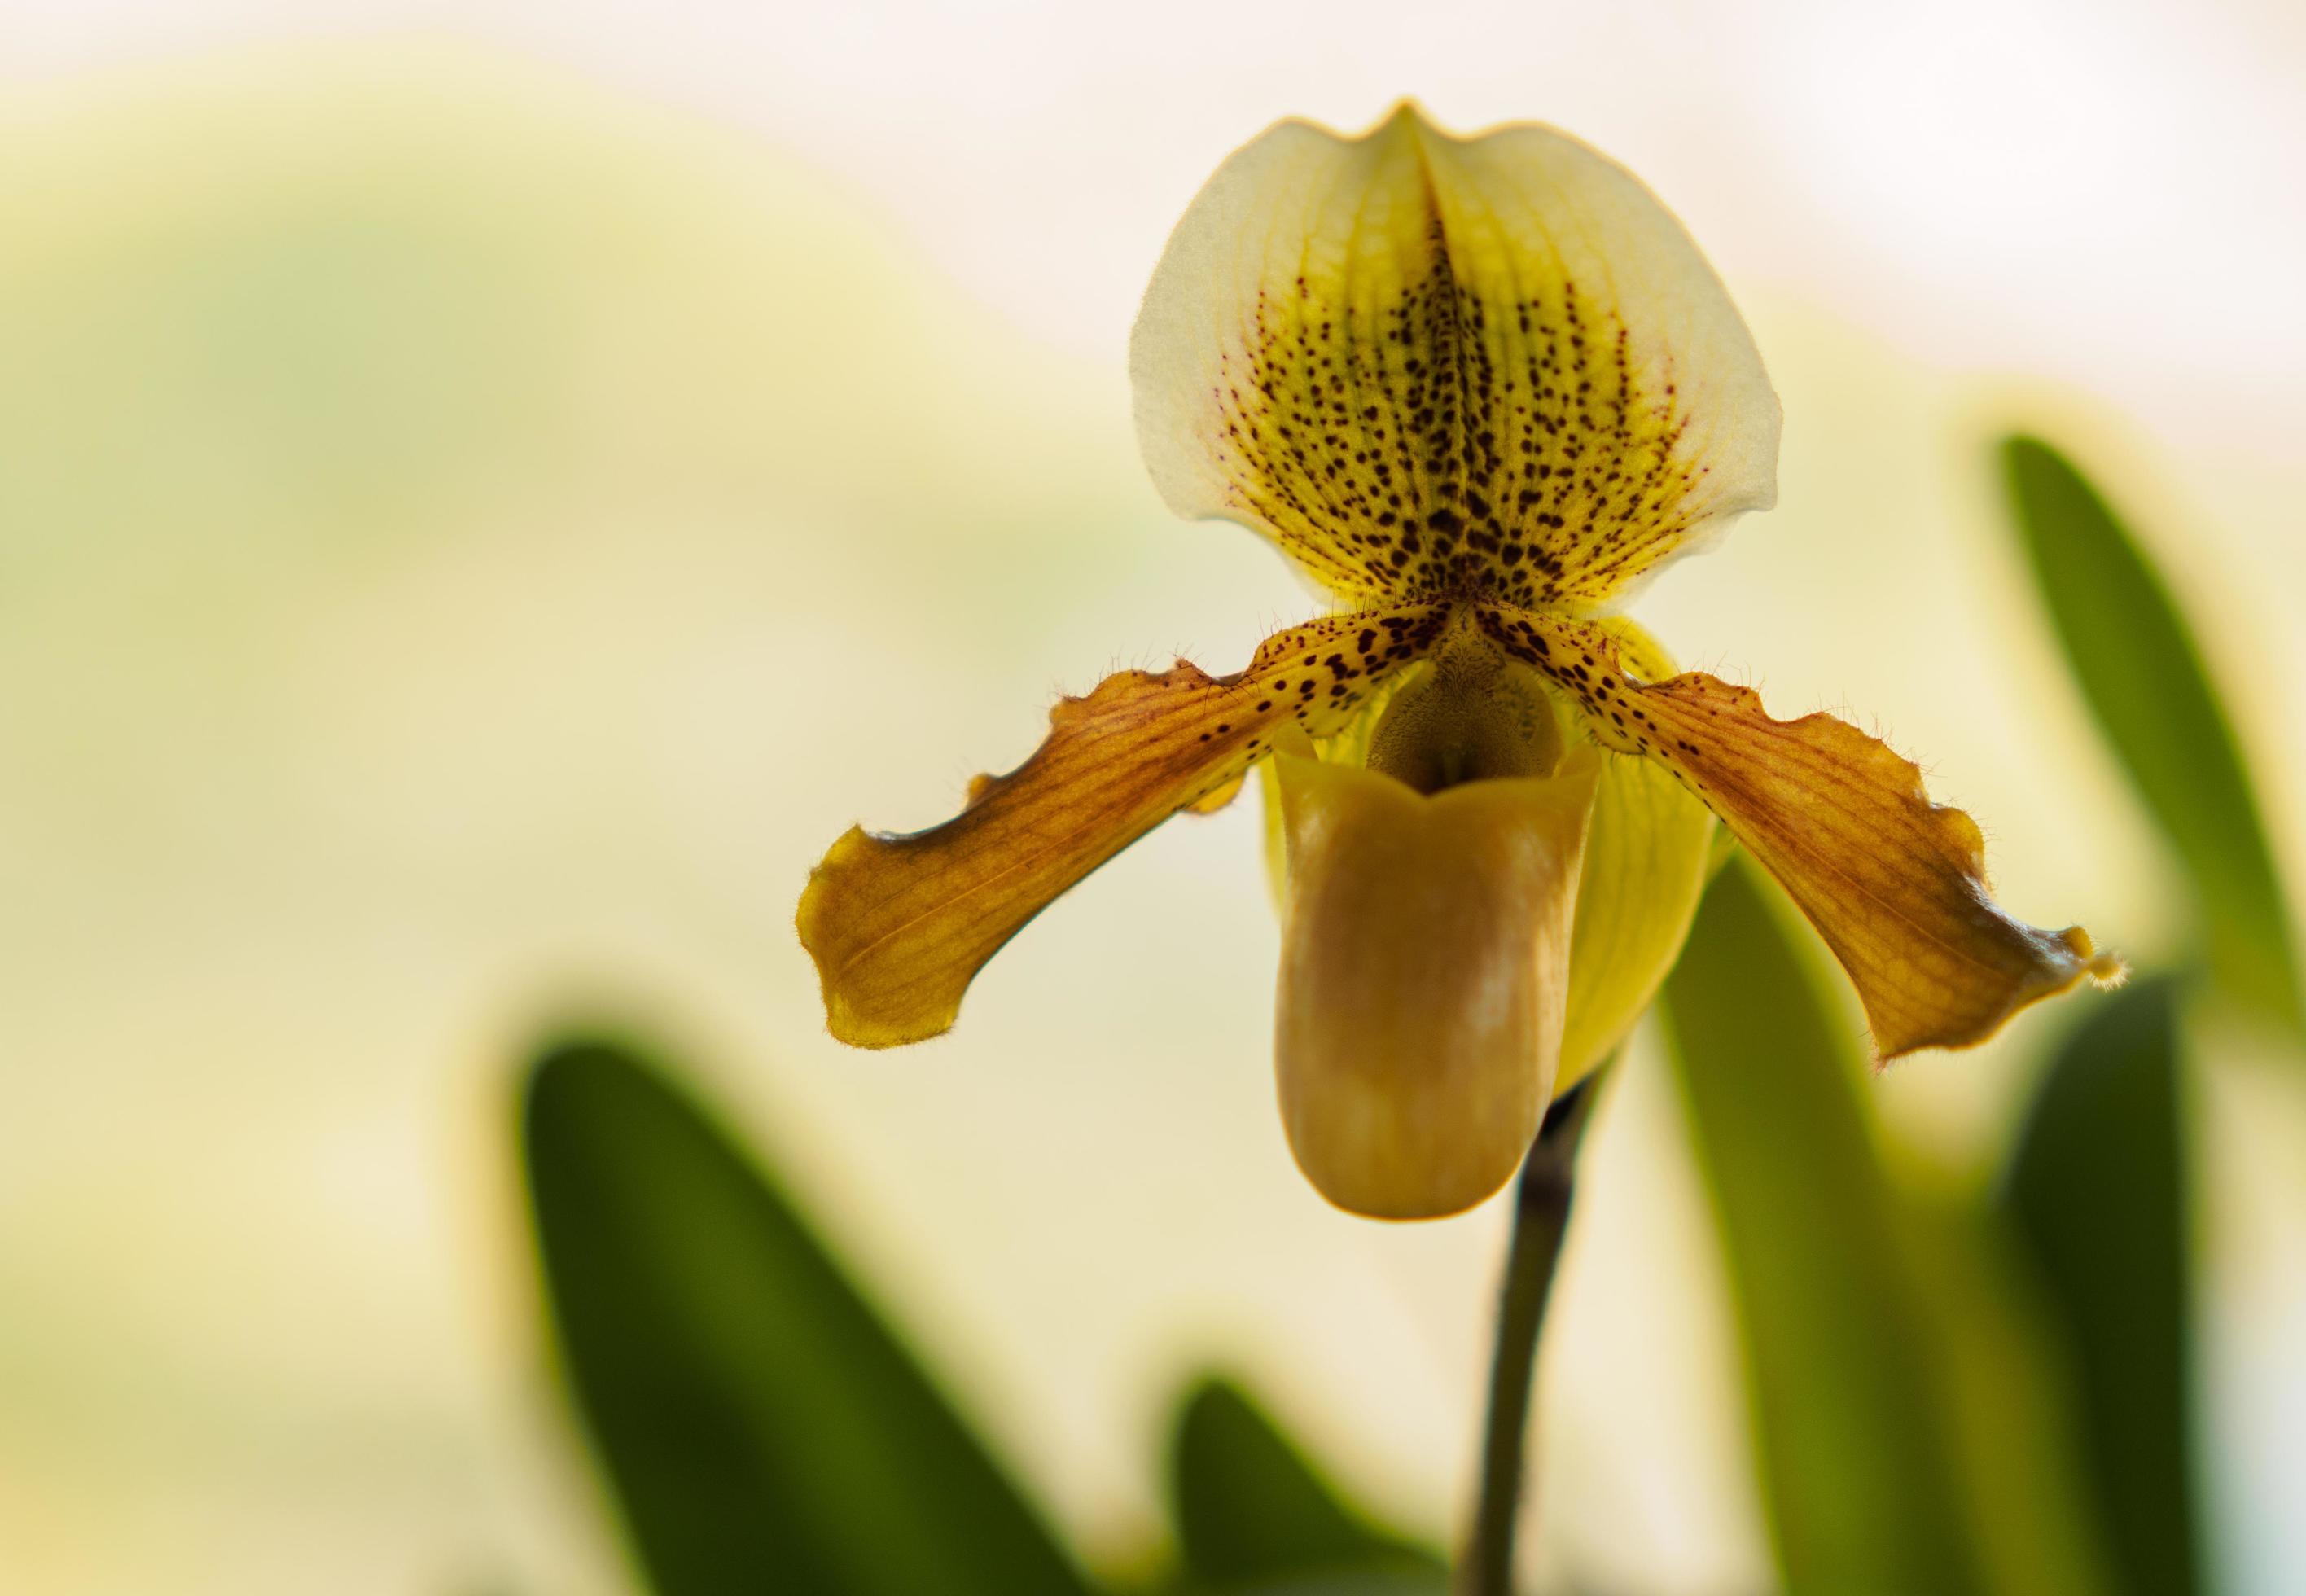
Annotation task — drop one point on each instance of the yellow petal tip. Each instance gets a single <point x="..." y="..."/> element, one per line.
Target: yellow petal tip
<point x="858" y="1017"/>
<point x="1406" y="115"/>
<point x="2104" y="970"/>
<point x="2067" y="959"/>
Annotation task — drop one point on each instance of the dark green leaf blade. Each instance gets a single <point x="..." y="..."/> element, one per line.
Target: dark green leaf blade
<point x="1858" y="1468"/>
<point x="760" y="1426"/>
<point x="1248" y="1507"/>
<point x="2136" y="661"/>
<point x="2095" y="1192"/>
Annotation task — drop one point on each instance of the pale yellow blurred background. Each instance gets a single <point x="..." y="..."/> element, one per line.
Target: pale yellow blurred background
<point x="486" y="493"/>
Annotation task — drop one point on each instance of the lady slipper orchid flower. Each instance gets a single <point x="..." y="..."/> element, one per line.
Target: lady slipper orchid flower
<point x="1477" y="390"/>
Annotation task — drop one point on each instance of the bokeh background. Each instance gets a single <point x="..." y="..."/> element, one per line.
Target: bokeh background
<point x="487" y="492"/>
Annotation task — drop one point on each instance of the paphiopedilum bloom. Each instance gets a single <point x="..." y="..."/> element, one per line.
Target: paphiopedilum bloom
<point x="1477" y="390"/>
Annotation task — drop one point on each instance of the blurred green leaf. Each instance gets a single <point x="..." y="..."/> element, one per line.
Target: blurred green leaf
<point x="2009" y="1401"/>
<point x="1433" y="1582"/>
<point x="1858" y="1462"/>
<point x="760" y="1425"/>
<point x="2137" y="664"/>
<point x="2095" y="1189"/>
<point x="1248" y="1507"/>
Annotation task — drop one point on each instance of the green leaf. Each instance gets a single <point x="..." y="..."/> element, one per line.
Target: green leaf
<point x="1858" y="1463"/>
<point x="2135" y="659"/>
<point x="1250" y="1508"/>
<point x="1433" y="1582"/>
<point x="2097" y="1192"/>
<point x="2008" y="1402"/>
<point x="760" y="1426"/>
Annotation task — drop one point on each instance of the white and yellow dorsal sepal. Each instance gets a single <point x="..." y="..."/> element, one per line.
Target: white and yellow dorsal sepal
<point x="1421" y="364"/>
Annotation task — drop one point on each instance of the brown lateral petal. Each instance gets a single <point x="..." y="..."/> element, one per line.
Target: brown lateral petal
<point x="1895" y="884"/>
<point x="899" y="925"/>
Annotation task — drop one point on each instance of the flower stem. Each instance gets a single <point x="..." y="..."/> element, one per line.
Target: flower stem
<point x="1541" y="1216"/>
